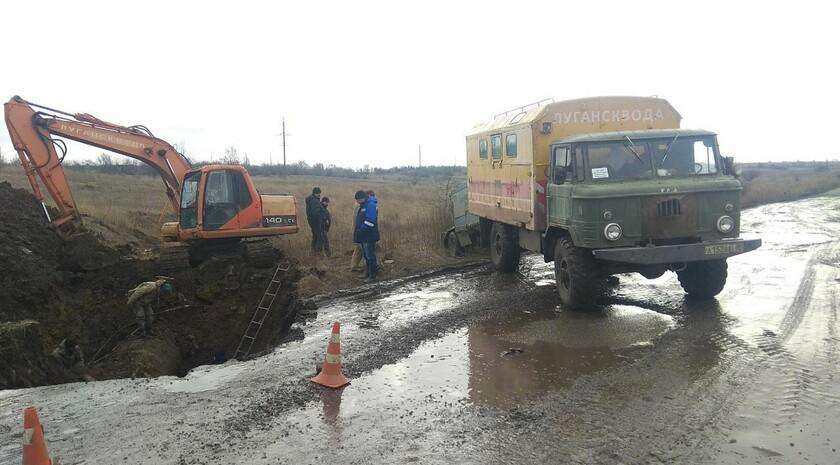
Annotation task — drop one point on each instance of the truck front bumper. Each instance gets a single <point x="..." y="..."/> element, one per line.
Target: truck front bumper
<point x="666" y="254"/>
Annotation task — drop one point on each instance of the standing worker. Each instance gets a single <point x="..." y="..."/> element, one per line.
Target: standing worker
<point x="314" y="217"/>
<point x="358" y="256"/>
<point x="143" y="299"/>
<point x="326" y="222"/>
<point x="366" y="232"/>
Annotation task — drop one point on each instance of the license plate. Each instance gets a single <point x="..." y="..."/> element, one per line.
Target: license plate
<point x="722" y="249"/>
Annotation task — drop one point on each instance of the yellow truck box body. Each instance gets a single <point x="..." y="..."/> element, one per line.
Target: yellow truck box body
<point x="507" y="158"/>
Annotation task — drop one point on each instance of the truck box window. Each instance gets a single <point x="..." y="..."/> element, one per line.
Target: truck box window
<point x="482" y="148"/>
<point x="496" y="146"/>
<point x="510" y="145"/>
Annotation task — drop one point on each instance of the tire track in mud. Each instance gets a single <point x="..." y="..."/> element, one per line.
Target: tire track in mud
<point x="795" y="386"/>
<point x="801" y="378"/>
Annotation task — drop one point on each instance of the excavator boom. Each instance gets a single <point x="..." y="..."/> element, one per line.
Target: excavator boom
<point x="33" y="127"/>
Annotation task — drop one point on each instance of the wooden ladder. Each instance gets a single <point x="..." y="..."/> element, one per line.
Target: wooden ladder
<point x="261" y="313"/>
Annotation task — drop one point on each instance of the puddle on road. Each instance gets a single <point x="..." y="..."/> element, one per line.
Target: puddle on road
<point x="502" y="362"/>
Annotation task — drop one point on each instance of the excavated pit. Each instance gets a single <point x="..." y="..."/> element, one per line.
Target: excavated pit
<point x="51" y="289"/>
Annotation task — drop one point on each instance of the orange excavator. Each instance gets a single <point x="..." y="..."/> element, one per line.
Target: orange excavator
<point x="219" y="209"/>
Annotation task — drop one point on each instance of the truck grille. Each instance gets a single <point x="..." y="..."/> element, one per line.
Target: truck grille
<point x="669" y="207"/>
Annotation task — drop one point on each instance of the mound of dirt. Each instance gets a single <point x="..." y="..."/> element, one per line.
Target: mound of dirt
<point x="51" y="289"/>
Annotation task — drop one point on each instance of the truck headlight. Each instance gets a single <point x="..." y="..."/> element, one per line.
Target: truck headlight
<point x="607" y="215"/>
<point x="725" y="224"/>
<point x="728" y="208"/>
<point x="612" y="232"/>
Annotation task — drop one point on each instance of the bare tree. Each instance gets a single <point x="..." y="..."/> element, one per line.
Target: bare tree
<point x="104" y="159"/>
<point x="2" y="158"/>
<point x="231" y="156"/>
<point x="181" y="147"/>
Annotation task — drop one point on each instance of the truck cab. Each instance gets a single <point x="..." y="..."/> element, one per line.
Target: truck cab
<point x="644" y="201"/>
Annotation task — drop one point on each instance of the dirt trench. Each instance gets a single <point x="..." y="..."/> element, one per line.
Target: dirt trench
<point x="51" y="289"/>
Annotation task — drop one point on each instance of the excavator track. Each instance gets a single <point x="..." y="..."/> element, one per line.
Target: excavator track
<point x="259" y="253"/>
<point x="173" y="258"/>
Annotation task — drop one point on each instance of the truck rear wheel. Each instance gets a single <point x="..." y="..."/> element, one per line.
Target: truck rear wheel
<point x="576" y="272"/>
<point x="504" y="247"/>
<point x="703" y="280"/>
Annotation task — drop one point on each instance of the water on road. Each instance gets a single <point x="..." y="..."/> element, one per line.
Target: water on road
<point x="480" y="367"/>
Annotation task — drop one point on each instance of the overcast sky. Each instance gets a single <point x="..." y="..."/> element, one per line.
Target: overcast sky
<point x="364" y="83"/>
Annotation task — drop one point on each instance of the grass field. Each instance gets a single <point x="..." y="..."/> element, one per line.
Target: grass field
<point x="764" y="185"/>
<point x="412" y="214"/>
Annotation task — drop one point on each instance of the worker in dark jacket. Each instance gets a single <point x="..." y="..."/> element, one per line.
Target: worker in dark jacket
<point x="314" y="217"/>
<point x="366" y="232"/>
<point x="326" y="222"/>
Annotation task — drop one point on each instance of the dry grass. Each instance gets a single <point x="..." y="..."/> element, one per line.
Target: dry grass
<point x="762" y="186"/>
<point x="412" y="215"/>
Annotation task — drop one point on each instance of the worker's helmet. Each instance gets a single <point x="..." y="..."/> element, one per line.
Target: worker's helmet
<point x="167" y="288"/>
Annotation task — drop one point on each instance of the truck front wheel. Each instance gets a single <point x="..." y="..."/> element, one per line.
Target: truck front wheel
<point x="576" y="272"/>
<point x="703" y="280"/>
<point x="504" y="247"/>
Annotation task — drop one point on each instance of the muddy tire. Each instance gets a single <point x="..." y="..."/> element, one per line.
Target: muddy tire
<point x="260" y="254"/>
<point x="579" y="282"/>
<point x="504" y="247"/>
<point x="703" y="280"/>
<point x="173" y="258"/>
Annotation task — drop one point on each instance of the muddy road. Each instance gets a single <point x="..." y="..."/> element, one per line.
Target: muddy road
<point x="477" y="367"/>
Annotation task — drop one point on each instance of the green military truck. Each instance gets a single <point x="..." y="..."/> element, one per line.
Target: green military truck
<point x="604" y="186"/>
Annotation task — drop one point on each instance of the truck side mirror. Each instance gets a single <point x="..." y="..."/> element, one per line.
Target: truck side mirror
<point x="731" y="169"/>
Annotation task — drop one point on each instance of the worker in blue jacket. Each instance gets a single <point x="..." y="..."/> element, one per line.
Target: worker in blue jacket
<point x="366" y="232"/>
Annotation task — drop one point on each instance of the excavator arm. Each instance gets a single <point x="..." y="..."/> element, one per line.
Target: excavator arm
<point x="33" y="127"/>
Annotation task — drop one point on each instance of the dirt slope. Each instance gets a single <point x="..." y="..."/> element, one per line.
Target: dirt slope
<point x="52" y="289"/>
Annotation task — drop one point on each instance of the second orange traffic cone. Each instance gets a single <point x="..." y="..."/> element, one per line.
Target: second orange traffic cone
<point x="34" y="444"/>
<point x="330" y="375"/>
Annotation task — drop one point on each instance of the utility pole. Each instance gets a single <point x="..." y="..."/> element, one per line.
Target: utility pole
<point x="284" y="141"/>
<point x="419" y="156"/>
<point x="283" y="134"/>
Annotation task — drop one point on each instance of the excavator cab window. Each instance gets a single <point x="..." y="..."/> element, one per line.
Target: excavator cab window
<point x="189" y="199"/>
<point x="226" y="195"/>
<point x="219" y="199"/>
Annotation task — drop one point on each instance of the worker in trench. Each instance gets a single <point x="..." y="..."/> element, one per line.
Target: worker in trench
<point x="70" y="355"/>
<point x="144" y="300"/>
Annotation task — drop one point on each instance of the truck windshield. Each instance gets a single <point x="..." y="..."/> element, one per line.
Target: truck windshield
<point x="614" y="160"/>
<point x="687" y="156"/>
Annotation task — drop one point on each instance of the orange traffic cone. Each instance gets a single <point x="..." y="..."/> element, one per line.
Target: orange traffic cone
<point x="330" y="375"/>
<point x="34" y="445"/>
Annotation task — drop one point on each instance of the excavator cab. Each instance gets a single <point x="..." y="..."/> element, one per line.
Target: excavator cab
<point x="221" y="202"/>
